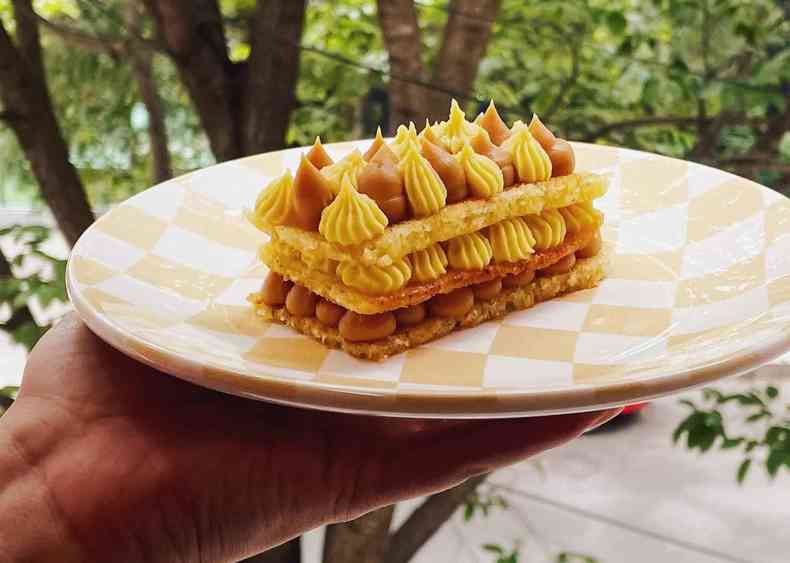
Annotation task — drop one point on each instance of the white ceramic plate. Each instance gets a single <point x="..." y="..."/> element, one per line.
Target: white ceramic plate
<point x="699" y="290"/>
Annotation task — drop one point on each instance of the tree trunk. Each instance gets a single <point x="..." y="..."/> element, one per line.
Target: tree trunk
<point x="402" y="38"/>
<point x="141" y="59"/>
<point x="363" y="540"/>
<point x="289" y="552"/>
<point x="463" y="46"/>
<point x="243" y="107"/>
<point x="273" y="68"/>
<point x="195" y="37"/>
<point x="464" y="42"/>
<point x="427" y="519"/>
<point x="31" y="116"/>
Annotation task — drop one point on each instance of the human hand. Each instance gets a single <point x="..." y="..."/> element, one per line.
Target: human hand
<point x="107" y="459"/>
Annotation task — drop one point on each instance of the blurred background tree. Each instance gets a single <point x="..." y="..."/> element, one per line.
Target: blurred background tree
<point x="100" y="99"/>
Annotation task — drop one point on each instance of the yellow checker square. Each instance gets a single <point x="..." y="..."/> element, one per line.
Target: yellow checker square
<point x="535" y="343"/>
<point x="183" y="280"/>
<point x="581" y="296"/>
<point x="777" y="221"/>
<point x="662" y="266"/>
<point x="209" y="219"/>
<point x="722" y="207"/>
<point x="719" y="286"/>
<point x="231" y="319"/>
<point x="629" y="321"/>
<point x="677" y="342"/>
<point x="90" y="272"/>
<point x="433" y="366"/>
<point x="591" y="157"/>
<point x="266" y="164"/>
<point x="596" y="373"/>
<point x="301" y="354"/>
<point x="100" y="299"/>
<point x="649" y="184"/>
<point x="346" y="381"/>
<point x="133" y="226"/>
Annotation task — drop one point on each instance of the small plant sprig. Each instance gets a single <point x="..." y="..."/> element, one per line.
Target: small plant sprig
<point x="46" y="283"/>
<point x="766" y="433"/>
<point x="573" y="557"/>
<point x="7" y="396"/>
<point x="502" y="554"/>
<point x="483" y="503"/>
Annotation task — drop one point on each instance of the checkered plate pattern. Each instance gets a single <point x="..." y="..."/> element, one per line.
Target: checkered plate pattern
<point x="699" y="289"/>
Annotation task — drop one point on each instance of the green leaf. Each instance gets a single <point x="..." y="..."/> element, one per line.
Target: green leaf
<point x="469" y="511"/>
<point x="616" y="22"/>
<point x="743" y="469"/>
<point x="757" y="416"/>
<point x="9" y="391"/>
<point x="771" y="392"/>
<point x="729" y="443"/>
<point x="775" y="460"/>
<point x="494" y="548"/>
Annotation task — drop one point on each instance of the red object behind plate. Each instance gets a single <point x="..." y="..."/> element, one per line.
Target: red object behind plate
<point x="633" y="408"/>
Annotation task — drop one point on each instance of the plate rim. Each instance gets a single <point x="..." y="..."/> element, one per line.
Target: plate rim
<point x="457" y="404"/>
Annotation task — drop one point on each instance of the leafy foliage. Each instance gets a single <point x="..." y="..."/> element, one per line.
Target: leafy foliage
<point x="573" y="557"/>
<point x="38" y="276"/>
<point x="762" y="430"/>
<point x="502" y="555"/>
<point x="7" y="396"/>
<point x="483" y="503"/>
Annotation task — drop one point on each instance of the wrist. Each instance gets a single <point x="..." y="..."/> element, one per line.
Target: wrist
<point x="31" y="528"/>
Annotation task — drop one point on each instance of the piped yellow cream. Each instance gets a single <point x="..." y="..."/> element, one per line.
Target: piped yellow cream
<point x="375" y="280"/>
<point x="483" y="176"/>
<point x="530" y="159"/>
<point x="548" y="229"/>
<point x="274" y="203"/>
<point x="424" y="188"/>
<point x="405" y="138"/>
<point x="428" y="264"/>
<point x="352" y="217"/>
<point x="580" y="216"/>
<point x="511" y="240"/>
<point x="469" y="252"/>
<point x="349" y="165"/>
<point x="456" y="131"/>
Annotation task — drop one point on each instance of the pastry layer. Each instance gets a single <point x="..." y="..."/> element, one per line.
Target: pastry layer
<point x="289" y="263"/>
<point x="454" y="220"/>
<point x="586" y="274"/>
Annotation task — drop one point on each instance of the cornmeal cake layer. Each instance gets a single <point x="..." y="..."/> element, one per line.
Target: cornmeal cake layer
<point x="586" y="274"/>
<point x="454" y="220"/>
<point x="292" y="265"/>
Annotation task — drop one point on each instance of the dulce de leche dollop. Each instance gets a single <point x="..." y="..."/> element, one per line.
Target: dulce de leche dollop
<point x="311" y="194"/>
<point x="449" y="169"/>
<point x="481" y="143"/>
<point x="381" y="180"/>
<point x="497" y="130"/>
<point x="318" y="155"/>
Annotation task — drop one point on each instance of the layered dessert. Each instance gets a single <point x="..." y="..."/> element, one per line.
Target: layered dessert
<point x="434" y="231"/>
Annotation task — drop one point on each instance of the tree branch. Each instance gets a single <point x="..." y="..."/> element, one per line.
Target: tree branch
<point x="146" y="84"/>
<point x="403" y="41"/>
<point x="269" y="87"/>
<point x="110" y="46"/>
<point x="427" y="519"/>
<point x="464" y="43"/>
<point x="638" y="122"/>
<point x="23" y="93"/>
<point x="362" y="540"/>
<point x="28" y="36"/>
<point x="194" y="35"/>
